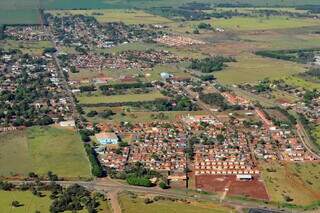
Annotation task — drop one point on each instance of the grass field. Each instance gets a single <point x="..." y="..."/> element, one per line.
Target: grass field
<point x="316" y="134"/>
<point x="30" y="47"/>
<point x="43" y="149"/>
<point x="284" y="40"/>
<point x="244" y="23"/>
<point x="99" y="98"/>
<point x="132" y="205"/>
<point x="31" y="203"/>
<point x="250" y="68"/>
<point x="136" y="116"/>
<point x="126" y="16"/>
<point x="300" y="182"/>
<point x="300" y="82"/>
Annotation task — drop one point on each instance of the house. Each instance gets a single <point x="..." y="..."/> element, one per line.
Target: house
<point x="106" y="138"/>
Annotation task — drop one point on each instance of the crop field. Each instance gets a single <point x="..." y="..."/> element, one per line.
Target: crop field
<point x="99" y="98"/>
<point x="251" y="68"/>
<point x="43" y="149"/>
<point x="131" y="204"/>
<point x="30" y="47"/>
<point x="126" y="16"/>
<point x="296" y="182"/>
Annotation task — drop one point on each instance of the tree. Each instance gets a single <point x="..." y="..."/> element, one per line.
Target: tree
<point x="15" y="203"/>
<point x="163" y="185"/>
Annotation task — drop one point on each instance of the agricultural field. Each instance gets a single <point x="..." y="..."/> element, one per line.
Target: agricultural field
<point x="293" y="183"/>
<point x="43" y="149"/>
<point x="130" y="204"/>
<point x="99" y="98"/>
<point x="32" y="203"/>
<point x="251" y="68"/>
<point x="126" y="16"/>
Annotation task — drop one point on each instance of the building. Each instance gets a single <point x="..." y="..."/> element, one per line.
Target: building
<point x="107" y="138"/>
<point x="244" y="177"/>
<point x="70" y="123"/>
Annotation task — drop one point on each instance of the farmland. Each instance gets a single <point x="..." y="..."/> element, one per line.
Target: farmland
<point x="43" y="149"/>
<point x="130" y="203"/>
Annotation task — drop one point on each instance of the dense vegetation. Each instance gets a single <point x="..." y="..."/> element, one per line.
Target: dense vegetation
<point x="208" y="65"/>
<point x="96" y="167"/>
<point x="297" y="55"/>
<point x="214" y="99"/>
<point x="135" y="174"/>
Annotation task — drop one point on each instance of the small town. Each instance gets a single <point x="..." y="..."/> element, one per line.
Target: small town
<point x="191" y="106"/>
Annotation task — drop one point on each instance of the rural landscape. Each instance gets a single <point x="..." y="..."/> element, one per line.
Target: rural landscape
<point x="159" y="106"/>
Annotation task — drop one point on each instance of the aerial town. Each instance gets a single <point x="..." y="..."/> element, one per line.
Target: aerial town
<point x="171" y="107"/>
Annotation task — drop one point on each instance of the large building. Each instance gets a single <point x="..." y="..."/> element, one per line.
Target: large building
<point x="107" y="138"/>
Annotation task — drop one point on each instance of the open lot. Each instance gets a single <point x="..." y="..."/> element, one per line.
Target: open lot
<point x="131" y="204"/>
<point x="296" y="182"/>
<point x="219" y="183"/>
<point x="43" y="149"/>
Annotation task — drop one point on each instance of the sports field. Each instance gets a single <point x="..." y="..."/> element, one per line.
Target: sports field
<point x="132" y="205"/>
<point x="293" y="183"/>
<point x="43" y="149"/>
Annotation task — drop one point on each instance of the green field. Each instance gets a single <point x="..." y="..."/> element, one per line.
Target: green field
<point x="297" y="181"/>
<point x="300" y="82"/>
<point x="126" y="16"/>
<point x="43" y="149"/>
<point x="31" y="203"/>
<point x="30" y="47"/>
<point x="250" y="68"/>
<point x="133" y="116"/>
<point x="316" y="134"/>
<point x="244" y="23"/>
<point x="133" y="205"/>
<point x="99" y="98"/>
